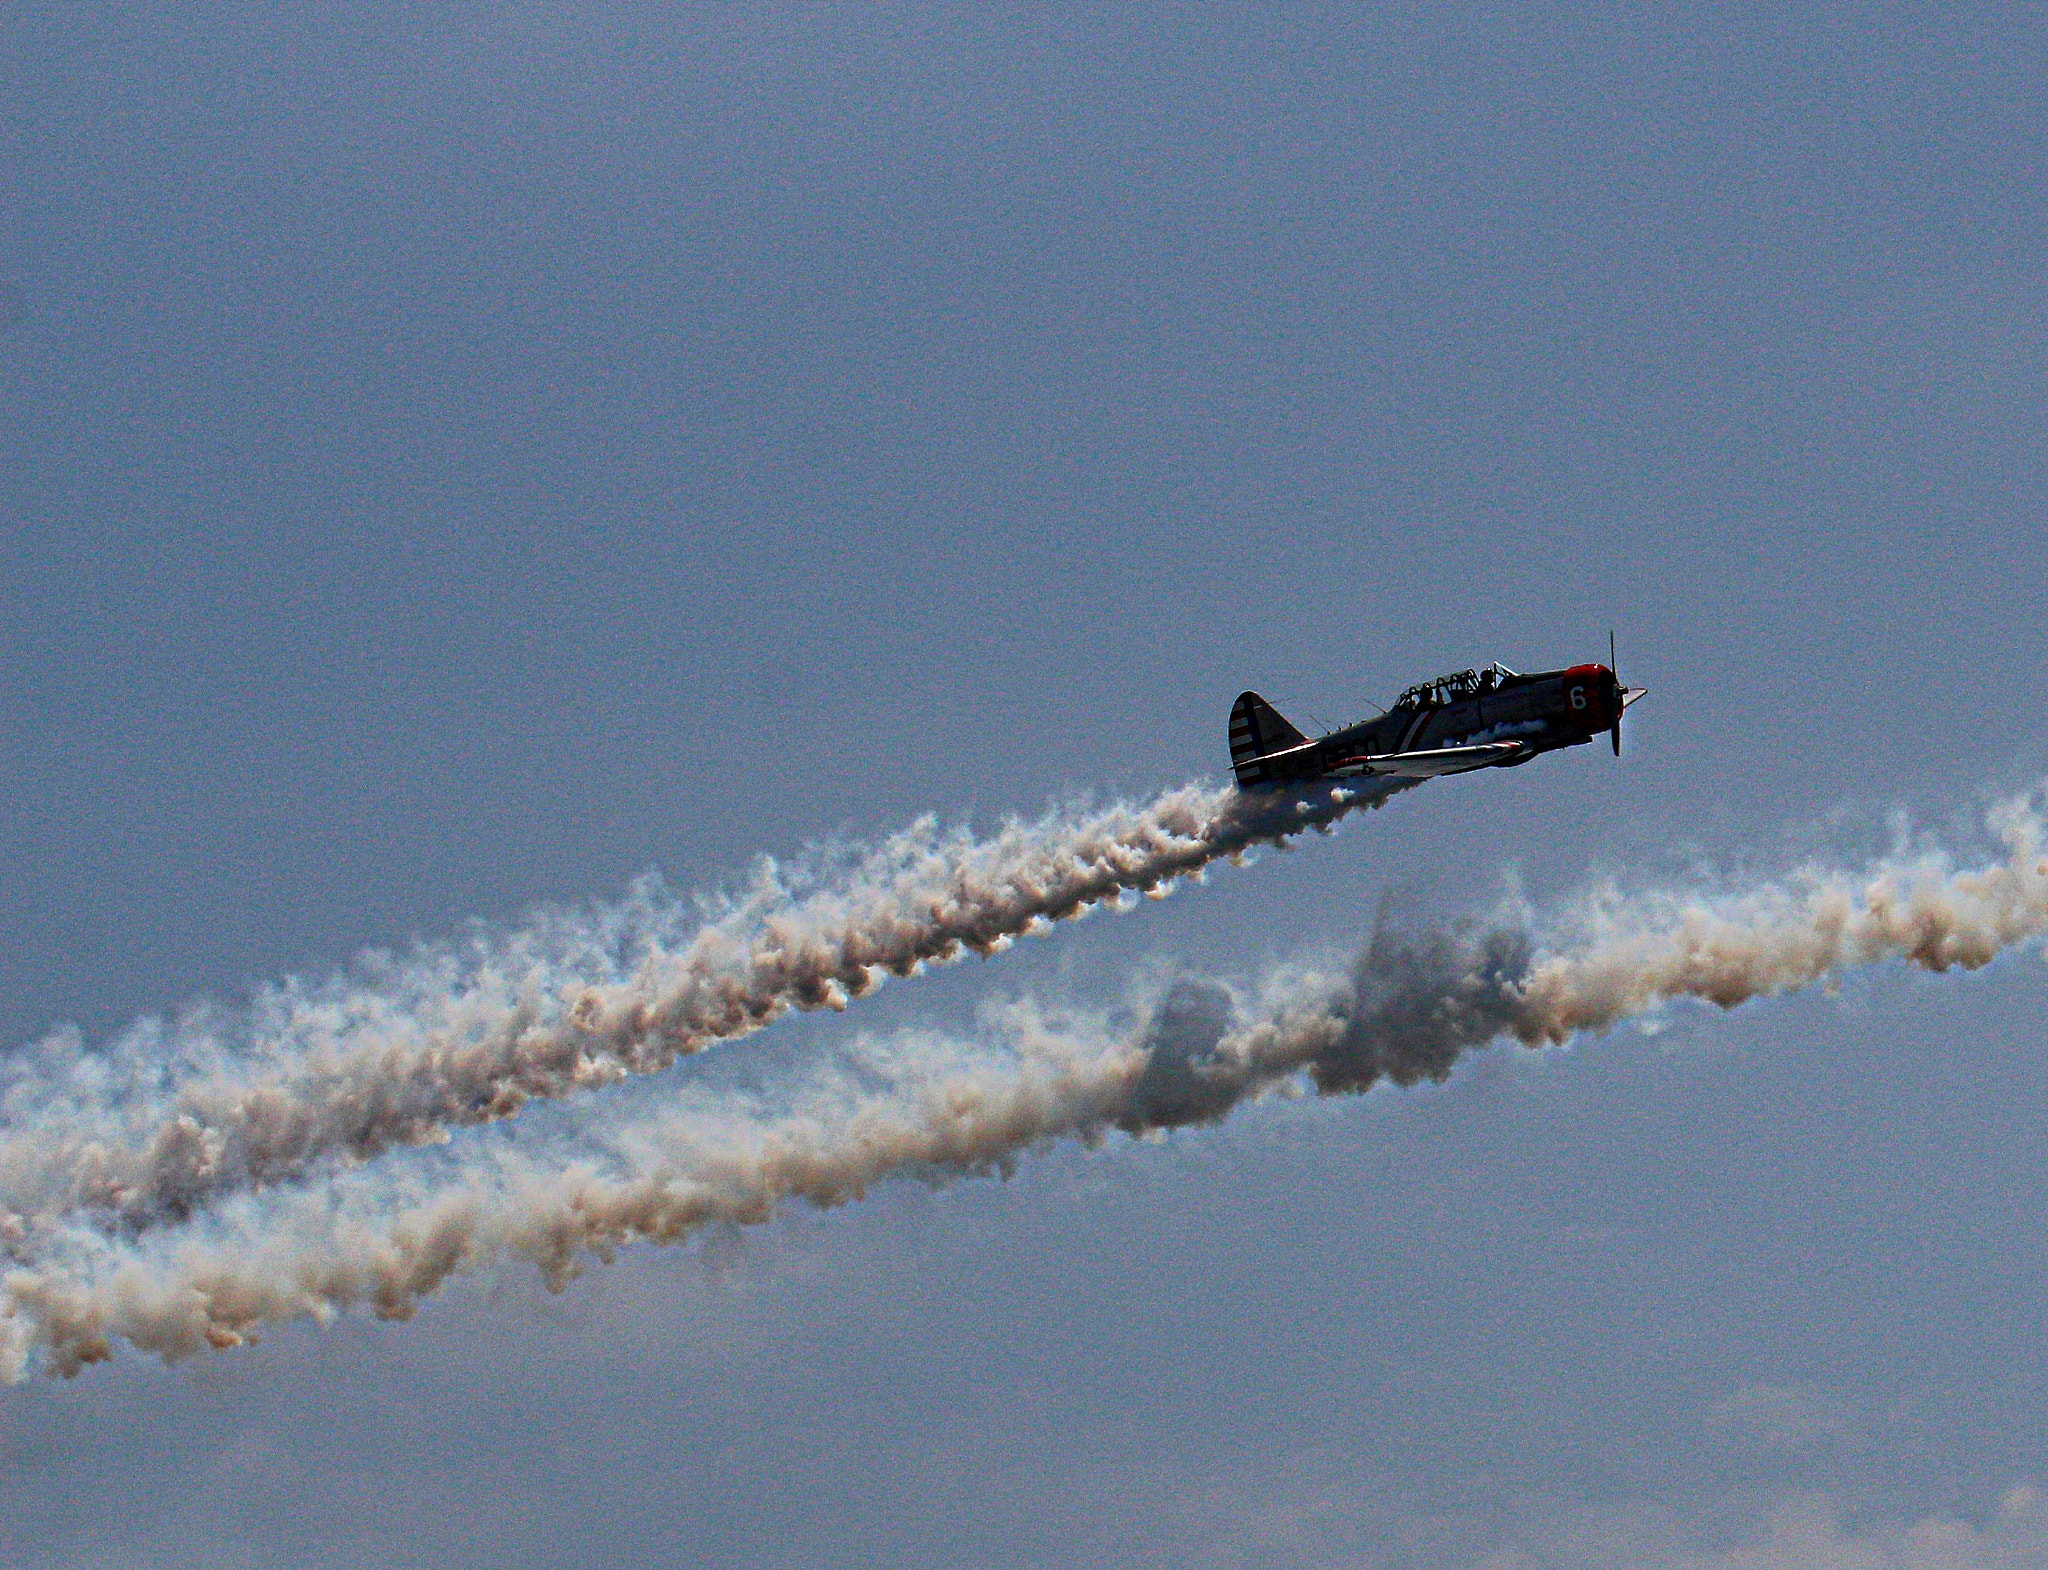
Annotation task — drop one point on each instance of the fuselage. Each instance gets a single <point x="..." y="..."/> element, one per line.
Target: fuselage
<point x="1539" y="712"/>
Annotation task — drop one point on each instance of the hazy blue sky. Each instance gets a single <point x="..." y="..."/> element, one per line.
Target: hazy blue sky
<point x="459" y="456"/>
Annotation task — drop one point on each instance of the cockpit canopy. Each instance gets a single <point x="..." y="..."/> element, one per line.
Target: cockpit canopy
<point x="1450" y="689"/>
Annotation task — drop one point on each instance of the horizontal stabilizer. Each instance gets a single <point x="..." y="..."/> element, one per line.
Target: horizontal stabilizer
<point x="1433" y="761"/>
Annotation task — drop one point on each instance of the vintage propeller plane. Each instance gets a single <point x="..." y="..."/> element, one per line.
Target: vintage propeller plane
<point x="1490" y="719"/>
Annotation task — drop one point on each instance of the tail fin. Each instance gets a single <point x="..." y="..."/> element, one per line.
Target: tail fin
<point x="1256" y="729"/>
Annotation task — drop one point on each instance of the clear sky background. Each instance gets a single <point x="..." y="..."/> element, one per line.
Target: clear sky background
<point x="462" y="456"/>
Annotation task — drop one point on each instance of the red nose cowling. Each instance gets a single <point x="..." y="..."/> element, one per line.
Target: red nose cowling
<point x="1602" y="691"/>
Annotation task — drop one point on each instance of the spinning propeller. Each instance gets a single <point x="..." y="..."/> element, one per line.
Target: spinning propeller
<point x="1623" y="696"/>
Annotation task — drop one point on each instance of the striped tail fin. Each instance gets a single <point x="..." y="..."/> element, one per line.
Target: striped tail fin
<point x="1256" y="729"/>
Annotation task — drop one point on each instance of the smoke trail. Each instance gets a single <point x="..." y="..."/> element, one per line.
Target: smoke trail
<point x="1405" y="1010"/>
<point x="350" y="1071"/>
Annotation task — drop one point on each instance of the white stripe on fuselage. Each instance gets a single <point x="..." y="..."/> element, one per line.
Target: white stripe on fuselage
<point x="1506" y="729"/>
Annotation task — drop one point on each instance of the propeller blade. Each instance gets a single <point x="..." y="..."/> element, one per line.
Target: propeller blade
<point x="1620" y="692"/>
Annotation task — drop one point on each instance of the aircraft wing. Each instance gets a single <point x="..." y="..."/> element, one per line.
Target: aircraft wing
<point x="1433" y="761"/>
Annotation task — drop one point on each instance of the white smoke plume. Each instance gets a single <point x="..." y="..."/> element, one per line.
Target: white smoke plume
<point x="170" y="1120"/>
<point x="1404" y="1010"/>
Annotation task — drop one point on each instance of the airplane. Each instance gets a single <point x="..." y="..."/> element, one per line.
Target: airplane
<point x="1490" y="719"/>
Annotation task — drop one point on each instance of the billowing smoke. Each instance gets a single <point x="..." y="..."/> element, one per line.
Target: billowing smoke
<point x="1406" y="1009"/>
<point x="173" y="1119"/>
